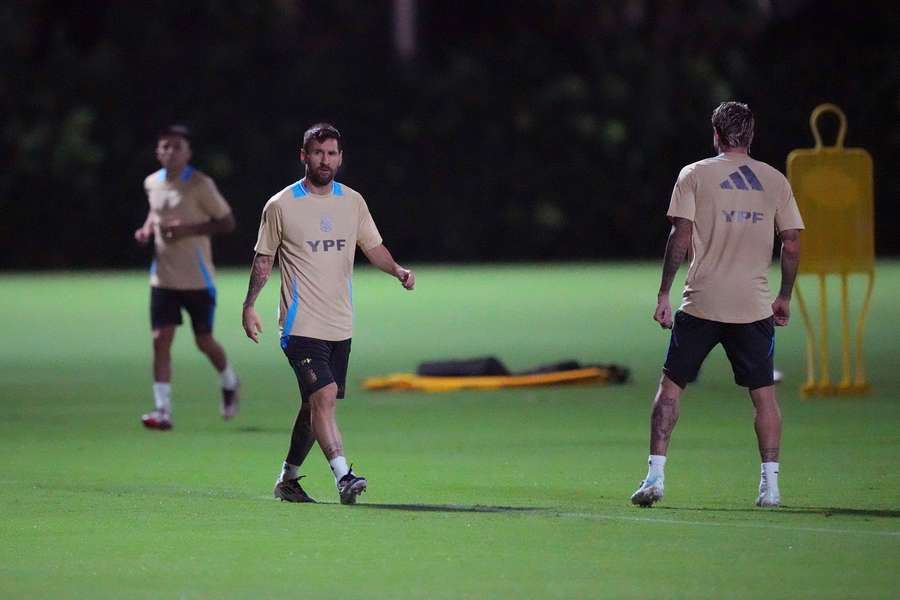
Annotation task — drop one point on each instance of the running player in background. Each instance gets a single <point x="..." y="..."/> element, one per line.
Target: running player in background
<point x="726" y="210"/>
<point x="313" y="227"/>
<point x="186" y="208"/>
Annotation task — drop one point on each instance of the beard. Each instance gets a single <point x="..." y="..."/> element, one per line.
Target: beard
<point x="319" y="177"/>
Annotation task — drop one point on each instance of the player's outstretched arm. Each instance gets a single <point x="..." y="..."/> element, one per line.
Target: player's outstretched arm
<point x="790" y="263"/>
<point x="676" y="250"/>
<point x="381" y="258"/>
<point x="259" y="275"/>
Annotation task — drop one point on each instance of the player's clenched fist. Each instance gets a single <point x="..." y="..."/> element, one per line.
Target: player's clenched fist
<point x="142" y="235"/>
<point x="663" y="313"/>
<point x="407" y="277"/>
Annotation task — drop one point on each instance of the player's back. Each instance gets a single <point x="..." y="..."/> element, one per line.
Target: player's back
<point x="737" y="202"/>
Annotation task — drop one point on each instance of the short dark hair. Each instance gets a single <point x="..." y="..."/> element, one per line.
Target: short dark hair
<point x="733" y="121"/>
<point x="178" y="129"/>
<point x="321" y="132"/>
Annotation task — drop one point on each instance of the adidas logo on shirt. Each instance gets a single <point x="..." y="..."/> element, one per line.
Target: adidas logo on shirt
<point x="742" y="179"/>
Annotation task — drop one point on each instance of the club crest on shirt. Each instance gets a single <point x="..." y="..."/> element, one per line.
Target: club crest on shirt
<point x="325" y="223"/>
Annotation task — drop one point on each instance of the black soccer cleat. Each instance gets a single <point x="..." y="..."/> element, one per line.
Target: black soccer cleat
<point x="350" y="486"/>
<point x="290" y="490"/>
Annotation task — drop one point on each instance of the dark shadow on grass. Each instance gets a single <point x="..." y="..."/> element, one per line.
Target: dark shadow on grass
<point x="836" y="510"/>
<point x="257" y="429"/>
<point x="824" y="511"/>
<point x="453" y="508"/>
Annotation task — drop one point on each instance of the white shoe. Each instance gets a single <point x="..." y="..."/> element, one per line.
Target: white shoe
<point x="768" y="498"/>
<point x="650" y="491"/>
<point x="157" y="419"/>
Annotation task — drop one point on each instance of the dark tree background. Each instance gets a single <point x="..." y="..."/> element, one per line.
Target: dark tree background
<point x="528" y="130"/>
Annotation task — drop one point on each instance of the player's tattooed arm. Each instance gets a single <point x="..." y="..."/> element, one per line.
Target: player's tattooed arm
<point x="259" y="275"/>
<point x="790" y="261"/>
<point x="677" y="248"/>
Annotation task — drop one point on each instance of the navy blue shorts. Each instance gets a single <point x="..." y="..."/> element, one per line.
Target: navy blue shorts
<point x="166" y="305"/>
<point x="750" y="348"/>
<point x="317" y="363"/>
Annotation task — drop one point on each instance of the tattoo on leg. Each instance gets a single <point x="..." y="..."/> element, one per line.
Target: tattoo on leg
<point x="662" y="422"/>
<point x="333" y="450"/>
<point x="769" y="454"/>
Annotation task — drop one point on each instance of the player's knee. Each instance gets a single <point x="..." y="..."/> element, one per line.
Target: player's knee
<point x="162" y="339"/>
<point x="667" y="401"/>
<point x="324" y="399"/>
<point x="305" y="409"/>
<point x="669" y="387"/>
<point x="204" y="341"/>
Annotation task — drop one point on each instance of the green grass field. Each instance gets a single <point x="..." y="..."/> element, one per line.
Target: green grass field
<point x="504" y="494"/>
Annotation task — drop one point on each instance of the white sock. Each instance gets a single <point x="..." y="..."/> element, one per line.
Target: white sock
<point x="768" y="472"/>
<point x="657" y="464"/>
<point x="228" y="378"/>
<point x="162" y="395"/>
<point x="288" y="471"/>
<point x="339" y="467"/>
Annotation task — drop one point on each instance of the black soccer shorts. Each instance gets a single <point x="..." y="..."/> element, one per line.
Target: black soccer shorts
<point x="317" y="363"/>
<point x="750" y="348"/>
<point x="166" y="305"/>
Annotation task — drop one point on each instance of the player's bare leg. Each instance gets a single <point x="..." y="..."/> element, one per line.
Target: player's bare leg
<point x="324" y="425"/>
<point x="663" y="417"/>
<point x="767" y="422"/>
<point x="208" y="345"/>
<point x="162" y="354"/>
<point x="160" y="418"/>
<point x="214" y="351"/>
<point x="287" y="486"/>
<point x="323" y="403"/>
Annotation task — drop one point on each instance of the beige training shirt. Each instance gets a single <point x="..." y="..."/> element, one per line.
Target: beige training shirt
<point x="192" y="197"/>
<point x="315" y="237"/>
<point x="736" y="204"/>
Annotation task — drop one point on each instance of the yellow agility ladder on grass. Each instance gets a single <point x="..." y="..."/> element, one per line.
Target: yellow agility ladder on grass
<point x="833" y="187"/>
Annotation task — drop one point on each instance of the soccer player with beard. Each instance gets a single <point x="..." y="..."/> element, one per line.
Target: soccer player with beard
<point x="313" y="227"/>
